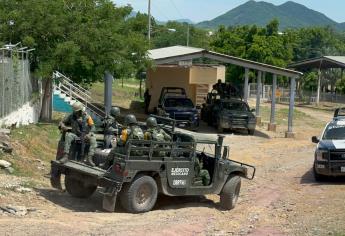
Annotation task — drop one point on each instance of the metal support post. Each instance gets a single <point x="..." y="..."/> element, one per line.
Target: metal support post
<point x="188" y="35"/>
<point x="318" y="88"/>
<point x="289" y="133"/>
<point x="272" y="125"/>
<point x="108" y="87"/>
<point x="263" y="80"/>
<point x="245" y="90"/>
<point x="258" y="96"/>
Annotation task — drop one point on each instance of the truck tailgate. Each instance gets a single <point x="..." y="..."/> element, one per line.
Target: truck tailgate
<point x="79" y="167"/>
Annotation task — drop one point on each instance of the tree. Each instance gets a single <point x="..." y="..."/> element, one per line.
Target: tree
<point x="175" y="33"/>
<point x="81" y="38"/>
<point x="253" y="43"/>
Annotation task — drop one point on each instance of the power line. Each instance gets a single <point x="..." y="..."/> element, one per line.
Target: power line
<point x="178" y="11"/>
<point x="160" y="12"/>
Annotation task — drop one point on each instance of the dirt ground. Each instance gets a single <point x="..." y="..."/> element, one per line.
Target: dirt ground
<point x="283" y="199"/>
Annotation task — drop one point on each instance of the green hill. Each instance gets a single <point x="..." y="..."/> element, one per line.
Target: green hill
<point x="289" y="14"/>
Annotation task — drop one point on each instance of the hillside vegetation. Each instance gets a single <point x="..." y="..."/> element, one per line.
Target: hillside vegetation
<point x="289" y="14"/>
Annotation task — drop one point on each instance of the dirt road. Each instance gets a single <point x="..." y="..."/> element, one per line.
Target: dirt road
<point x="283" y="199"/>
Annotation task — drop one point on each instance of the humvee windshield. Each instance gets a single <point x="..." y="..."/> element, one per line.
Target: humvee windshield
<point x="333" y="132"/>
<point x="208" y="149"/>
<point x="178" y="102"/>
<point x="235" y="106"/>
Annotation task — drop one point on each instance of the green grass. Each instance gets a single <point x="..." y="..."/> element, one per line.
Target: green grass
<point x="126" y="97"/>
<point x="32" y="143"/>
<point x="282" y="115"/>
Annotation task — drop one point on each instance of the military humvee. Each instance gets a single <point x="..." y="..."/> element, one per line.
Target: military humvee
<point x="139" y="172"/>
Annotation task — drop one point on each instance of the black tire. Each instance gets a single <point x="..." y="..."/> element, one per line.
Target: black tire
<point x="140" y="195"/>
<point x="230" y="193"/>
<point x="78" y="188"/>
<point x="317" y="176"/>
<point x="251" y="131"/>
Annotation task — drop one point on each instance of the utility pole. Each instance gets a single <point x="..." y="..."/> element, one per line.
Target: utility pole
<point x="149" y="27"/>
<point x="187" y="34"/>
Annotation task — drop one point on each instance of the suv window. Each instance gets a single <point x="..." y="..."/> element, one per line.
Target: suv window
<point x="334" y="132"/>
<point x="178" y="102"/>
<point x="236" y="106"/>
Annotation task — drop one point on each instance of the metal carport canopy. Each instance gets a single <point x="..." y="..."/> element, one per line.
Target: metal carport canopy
<point x="325" y="62"/>
<point x="181" y="53"/>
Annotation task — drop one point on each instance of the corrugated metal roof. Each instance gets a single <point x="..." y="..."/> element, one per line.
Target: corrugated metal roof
<point x="339" y="59"/>
<point x="182" y="53"/>
<point x="324" y="62"/>
<point x="161" y="53"/>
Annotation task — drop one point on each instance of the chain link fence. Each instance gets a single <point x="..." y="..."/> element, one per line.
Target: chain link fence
<point x="15" y="82"/>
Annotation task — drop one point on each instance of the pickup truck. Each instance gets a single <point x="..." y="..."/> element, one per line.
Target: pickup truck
<point x="174" y="103"/>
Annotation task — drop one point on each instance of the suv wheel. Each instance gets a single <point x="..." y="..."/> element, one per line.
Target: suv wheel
<point x="251" y="131"/>
<point x="139" y="195"/>
<point x="78" y="188"/>
<point x="317" y="176"/>
<point x="230" y="193"/>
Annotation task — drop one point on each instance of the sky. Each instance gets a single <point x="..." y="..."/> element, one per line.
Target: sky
<point x="200" y="10"/>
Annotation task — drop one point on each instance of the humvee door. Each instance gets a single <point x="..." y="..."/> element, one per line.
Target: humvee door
<point x="180" y="169"/>
<point x="180" y="172"/>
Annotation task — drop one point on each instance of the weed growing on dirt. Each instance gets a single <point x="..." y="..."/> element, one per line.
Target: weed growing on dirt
<point x="34" y="146"/>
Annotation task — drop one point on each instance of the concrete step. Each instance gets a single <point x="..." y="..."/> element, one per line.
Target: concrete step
<point x="67" y="99"/>
<point x="57" y="92"/>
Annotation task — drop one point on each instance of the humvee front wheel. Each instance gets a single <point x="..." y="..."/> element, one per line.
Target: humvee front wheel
<point x="139" y="195"/>
<point x="230" y="193"/>
<point x="78" y="188"/>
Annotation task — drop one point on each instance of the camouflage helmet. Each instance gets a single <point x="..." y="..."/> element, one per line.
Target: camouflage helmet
<point x="77" y="106"/>
<point x="130" y="119"/>
<point x="151" y="122"/>
<point x="115" y="111"/>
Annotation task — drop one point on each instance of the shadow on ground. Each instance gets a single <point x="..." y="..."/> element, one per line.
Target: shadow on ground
<point x="308" y="178"/>
<point x="204" y="128"/>
<point x="94" y="203"/>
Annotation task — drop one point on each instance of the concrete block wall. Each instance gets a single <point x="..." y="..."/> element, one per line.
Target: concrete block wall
<point x="27" y="114"/>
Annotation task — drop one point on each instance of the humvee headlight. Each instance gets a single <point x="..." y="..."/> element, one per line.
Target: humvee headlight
<point x="321" y="155"/>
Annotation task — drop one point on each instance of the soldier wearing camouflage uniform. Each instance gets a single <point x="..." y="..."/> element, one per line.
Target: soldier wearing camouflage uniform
<point x="130" y="131"/>
<point x="201" y="173"/>
<point x="78" y="126"/>
<point x="156" y="133"/>
<point x="111" y="127"/>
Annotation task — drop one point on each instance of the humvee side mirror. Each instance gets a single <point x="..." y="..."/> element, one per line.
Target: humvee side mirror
<point x="225" y="152"/>
<point x="198" y="107"/>
<point x="160" y="106"/>
<point x="314" y="139"/>
<point x="252" y="110"/>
